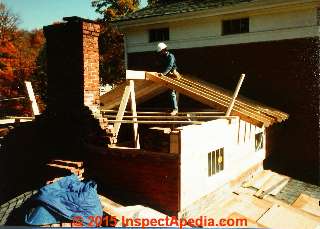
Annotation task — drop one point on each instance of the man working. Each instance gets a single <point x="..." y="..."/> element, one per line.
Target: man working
<point x="170" y="69"/>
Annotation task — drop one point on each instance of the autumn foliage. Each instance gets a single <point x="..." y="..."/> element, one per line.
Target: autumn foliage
<point x="18" y="54"/>
<point x="111" y="43"/>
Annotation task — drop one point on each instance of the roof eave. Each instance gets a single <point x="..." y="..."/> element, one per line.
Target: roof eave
<point x="239" y="8"/>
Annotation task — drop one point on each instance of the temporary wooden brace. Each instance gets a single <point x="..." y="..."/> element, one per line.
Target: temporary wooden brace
<point x="169" y="117"/>
<point x="32" y="98"/>
<point x="235" y="95"/>
<point x="128" y="93"/>
<point x="134" y="113"/>
<point x="155" y="122"/>
<point x="166" y="113"/>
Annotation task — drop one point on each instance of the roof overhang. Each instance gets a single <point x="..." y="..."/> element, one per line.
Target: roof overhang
<point x="255" y="6"/>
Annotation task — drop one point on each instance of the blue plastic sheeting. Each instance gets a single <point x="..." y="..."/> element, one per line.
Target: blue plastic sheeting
<point x="67" y="198"/>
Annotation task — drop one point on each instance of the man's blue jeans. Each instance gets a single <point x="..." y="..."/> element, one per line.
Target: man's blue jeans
<point x="174" y="102"/>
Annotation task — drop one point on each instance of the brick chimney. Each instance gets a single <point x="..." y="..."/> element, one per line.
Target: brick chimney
<point x="73" y="65"/>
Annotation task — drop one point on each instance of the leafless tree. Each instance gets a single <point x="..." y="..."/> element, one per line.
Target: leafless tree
<point x="8" y="22"/>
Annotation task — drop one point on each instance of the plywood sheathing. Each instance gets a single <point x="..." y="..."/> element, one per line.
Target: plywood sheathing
<point x="308" y="204"/>
<point x="267" y="182"/>
<point x="287" y="217"/>
<point x="214" y="96"/>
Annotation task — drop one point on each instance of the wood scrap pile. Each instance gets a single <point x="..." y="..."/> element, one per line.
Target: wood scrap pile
<point x="257" y="202"/>
<point x="59" y="168"/>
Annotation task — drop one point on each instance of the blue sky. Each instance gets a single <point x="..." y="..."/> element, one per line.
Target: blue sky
<point x="35" y="14"/>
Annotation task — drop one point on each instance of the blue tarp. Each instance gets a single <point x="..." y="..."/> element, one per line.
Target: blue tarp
<point x="67" y="198"/>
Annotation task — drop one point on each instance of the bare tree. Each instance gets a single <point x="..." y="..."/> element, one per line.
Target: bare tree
<point x="8" y="22"/>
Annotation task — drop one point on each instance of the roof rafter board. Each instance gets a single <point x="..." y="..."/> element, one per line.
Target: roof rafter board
<point x="241" y="101"/>
<point x="210" y="100"/>
<point x="144" y="90"/>
<point x="212" y="92"/>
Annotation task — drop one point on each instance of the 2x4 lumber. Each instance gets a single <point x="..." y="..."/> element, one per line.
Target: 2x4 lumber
<point x="156" y="122"/>
<point x="166" y="113"/>
<point x="244" y="102"/>
<point x="207" y="99"/>
<point x="236" y="92"/>
<point x="134" y="112"/>
<point x="210" y="99"/>
<point x="20" y="117"/>
<point x="144" y="90"/>
<point x="122" y="108"/>
<point x="35" y="108"/>
<point x="172" y="117"/>
<point x="135" y="75"/>
<point x="218" y="94"/>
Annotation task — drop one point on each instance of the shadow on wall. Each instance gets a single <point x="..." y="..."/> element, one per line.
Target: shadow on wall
<point x="29" y="147"/>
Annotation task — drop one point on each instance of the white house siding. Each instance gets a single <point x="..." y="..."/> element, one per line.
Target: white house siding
<point x="238" y="140"/>
<point x="202" y="32"/>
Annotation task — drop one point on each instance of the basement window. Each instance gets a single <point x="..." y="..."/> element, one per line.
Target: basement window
<point x="158" y="34"/>
<point x="215" y="161"/>
<point x="235" y="26"/>
<point x="259" y="141"/>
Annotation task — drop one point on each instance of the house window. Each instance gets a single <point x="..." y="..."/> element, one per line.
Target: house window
<point x="215" y="161"/>
<point x="235" y="26"/>
<point x="159" y="35"/>
<point x="259" y="141"/>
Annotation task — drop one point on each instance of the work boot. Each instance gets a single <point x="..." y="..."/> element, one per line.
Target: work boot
<point x="174" y="112"/>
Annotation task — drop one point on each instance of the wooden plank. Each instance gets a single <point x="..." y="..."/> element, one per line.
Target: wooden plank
<point x="278" y="186"/>
<point x="212" y="101"/>
<point x="172" y="117"/>
<point x="249" y="206"/>
<point x="32" y="98"/>
<point x="308" y="204"/>
<point x="166" y="113"/>
<point x="272" y="185"/>
<point x="242" y="101"/>
<point x="236" y="92"/>
<point x="259" y="180"/>
<point x="238" y="217"/>
<point x="156" y="122"/>
<point x="134" y="113"/>
<point x="288" y="218"/>
<point x="123" y="105"/>
<point x="223" y="95"/>
<point x="144" y="90"/>
<point x="175" y="142"/>
<point x="135" y="75"/>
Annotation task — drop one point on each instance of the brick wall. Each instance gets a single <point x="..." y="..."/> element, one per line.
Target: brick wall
<point x="282" y="74"/>
<point x="73" y="65"/>
<point x="137" y="177"/>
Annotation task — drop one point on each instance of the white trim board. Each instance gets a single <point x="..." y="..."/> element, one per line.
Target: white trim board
<point x="261" y="36"/>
